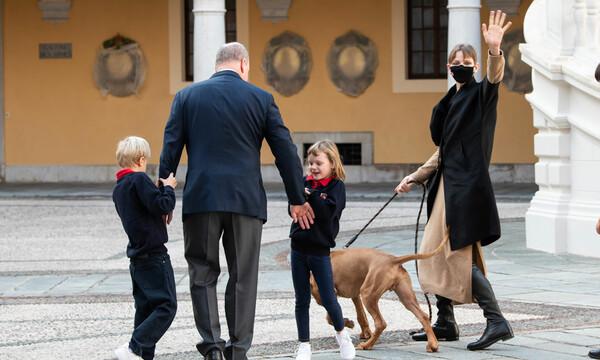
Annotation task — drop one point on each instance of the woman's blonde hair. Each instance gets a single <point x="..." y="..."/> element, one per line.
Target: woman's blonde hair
<point x="131" y="149"/>
<point x="329" y="148"/>
<point x="467" y="50"/>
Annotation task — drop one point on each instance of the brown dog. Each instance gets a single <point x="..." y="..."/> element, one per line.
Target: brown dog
<point x="364" y="275"/>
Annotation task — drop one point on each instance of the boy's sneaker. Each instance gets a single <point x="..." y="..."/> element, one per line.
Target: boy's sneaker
<point x="347" y="350"/>
<point x="125" y="353"/>
<point x="304" y="352"/>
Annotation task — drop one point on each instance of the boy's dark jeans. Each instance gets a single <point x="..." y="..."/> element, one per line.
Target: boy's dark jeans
<point x="155" y="301"/>
<point x="320" y="266"/>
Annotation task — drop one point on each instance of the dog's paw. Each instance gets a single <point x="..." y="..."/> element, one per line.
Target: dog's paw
<point x="432" y="349"/>
<point x="364" y="346"/>
<point x="365" y="334"/>
<point x="348" y="323"/>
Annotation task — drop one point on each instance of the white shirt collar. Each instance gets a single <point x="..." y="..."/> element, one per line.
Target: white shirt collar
<point x="228" y="69"/>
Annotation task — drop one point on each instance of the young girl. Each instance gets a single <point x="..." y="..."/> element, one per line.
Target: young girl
<point x="461" y="204"/>
<point x="326" y="194"/>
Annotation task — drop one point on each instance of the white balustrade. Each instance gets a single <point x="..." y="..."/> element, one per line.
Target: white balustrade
<point x="580" y="20"/>
<point x="593" y="24"/>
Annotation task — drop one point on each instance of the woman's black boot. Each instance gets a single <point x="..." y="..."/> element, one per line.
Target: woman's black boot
<point x="445" y="327"/>
<point x="497" y="327"/>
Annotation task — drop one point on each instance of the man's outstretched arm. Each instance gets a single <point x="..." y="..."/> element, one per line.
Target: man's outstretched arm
<point x="289" y="166"/>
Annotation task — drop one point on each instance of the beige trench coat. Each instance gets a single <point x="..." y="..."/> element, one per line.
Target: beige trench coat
<point x="448" y="273"/>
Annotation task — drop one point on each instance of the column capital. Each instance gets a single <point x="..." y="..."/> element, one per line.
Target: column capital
<point x="209" y="6"/>
<point x="464" y="4"/>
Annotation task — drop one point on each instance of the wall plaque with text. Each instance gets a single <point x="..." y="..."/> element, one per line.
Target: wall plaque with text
<point x="55" y="51"/>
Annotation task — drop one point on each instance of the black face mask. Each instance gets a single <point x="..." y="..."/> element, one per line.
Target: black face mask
<point x="462" y="73"/>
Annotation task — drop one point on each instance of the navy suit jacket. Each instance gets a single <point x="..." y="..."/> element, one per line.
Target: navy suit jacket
<point x="222" y="123"/>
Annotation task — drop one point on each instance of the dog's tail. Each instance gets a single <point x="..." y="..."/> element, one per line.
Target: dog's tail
<point x="399" y="260"/>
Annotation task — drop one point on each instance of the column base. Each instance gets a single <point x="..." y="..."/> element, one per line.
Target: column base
<point x="546" y="223"/>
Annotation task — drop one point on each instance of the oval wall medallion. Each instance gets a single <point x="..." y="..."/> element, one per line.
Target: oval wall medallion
<point x="120" y="67"/>
<point x="287" y="62"/>
<point x="352" y="62"/>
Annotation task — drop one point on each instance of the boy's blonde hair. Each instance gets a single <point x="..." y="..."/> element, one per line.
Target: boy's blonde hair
<point x="131" y="149"/>
<point x="329" y="148"/>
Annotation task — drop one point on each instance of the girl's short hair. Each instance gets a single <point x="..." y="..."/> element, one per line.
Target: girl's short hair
<point x="131" y="149"/>
<point x="467" y="50"/>
<point x="329" y="148"/>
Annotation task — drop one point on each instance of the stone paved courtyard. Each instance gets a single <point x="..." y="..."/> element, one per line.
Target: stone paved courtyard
<point x="64" y="283"/>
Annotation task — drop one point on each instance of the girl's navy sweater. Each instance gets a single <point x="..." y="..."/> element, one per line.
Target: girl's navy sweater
<point x="328" y="203"/>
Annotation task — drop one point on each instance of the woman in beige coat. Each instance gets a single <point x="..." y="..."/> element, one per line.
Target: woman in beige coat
<point x="461" y="204"/>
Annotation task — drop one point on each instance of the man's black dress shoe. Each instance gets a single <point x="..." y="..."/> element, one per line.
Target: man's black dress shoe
<point x="214" y="355"/>
<point x="594" y="354"/>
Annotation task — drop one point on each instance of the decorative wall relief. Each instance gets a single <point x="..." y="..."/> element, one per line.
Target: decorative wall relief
<point x="517" y="74"/>
<point x="352" y="62"/>
<point x="120" y="67"/>
<point x="287" y="62"/>
<point x="274" y="10"/>
<point x="55" y="10"/>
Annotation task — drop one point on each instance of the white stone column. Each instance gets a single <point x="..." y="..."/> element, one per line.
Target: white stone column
<point x="464" y="26"/>
<point x="209" y="35"/>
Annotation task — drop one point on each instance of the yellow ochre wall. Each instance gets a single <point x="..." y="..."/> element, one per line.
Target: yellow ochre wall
<point x="400" y="122"/>
<point x="58" y="116"/>
<point x="56" y="113"/>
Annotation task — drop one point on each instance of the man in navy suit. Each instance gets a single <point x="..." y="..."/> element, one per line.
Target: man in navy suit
<point x="222" y="123"/>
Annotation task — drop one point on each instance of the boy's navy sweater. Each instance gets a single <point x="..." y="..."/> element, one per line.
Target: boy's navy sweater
<point x="140" y="205"/>
<point x="328" y="203"/>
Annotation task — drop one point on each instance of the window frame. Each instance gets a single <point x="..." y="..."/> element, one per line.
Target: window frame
<point x="400" y="81"/>
<point x="352" y="149"/>
<point x="437" y="46"/>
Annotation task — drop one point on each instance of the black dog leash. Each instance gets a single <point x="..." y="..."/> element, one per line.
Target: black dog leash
<point x="416" y="241"/>
<point x="353" y="239"/>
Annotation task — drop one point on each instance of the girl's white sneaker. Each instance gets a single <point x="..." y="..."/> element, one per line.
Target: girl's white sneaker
<point x="125" y="353"/>
<point x="347" y="350"/>
<point x="304" y="352"/>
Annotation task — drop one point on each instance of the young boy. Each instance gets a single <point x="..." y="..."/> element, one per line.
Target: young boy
<point x="141" y="206"/>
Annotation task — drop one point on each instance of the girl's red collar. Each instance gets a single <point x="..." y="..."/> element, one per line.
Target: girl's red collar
<point x="318" y="183"/>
